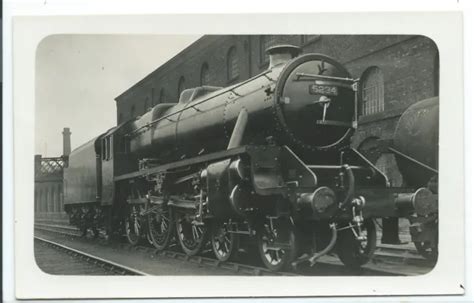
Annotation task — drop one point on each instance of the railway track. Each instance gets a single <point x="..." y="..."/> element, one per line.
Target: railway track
<point x="109" y="266"/>
<point x="385" y="257"/>
<point x="234" y="268"/>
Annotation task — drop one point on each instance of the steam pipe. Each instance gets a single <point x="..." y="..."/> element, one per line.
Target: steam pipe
<point x="351" y="190"/>
<point x="312" y="259"/>
<point x="239" y="129"/>
<point x="328" y="248"/>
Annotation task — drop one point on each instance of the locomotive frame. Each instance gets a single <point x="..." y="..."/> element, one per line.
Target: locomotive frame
<point x="297" y="200"/>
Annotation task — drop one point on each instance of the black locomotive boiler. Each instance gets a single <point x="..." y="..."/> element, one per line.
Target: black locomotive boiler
<point x="263" y="164"/>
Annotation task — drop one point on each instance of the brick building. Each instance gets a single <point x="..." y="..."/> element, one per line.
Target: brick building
<point x="395" y="72"/>
<point x="49" y="195"/>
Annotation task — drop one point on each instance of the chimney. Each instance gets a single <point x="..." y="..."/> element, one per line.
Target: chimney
<point x="66" y="142"/>
<point x="280" y="54"/>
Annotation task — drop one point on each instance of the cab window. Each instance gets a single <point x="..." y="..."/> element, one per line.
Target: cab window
<point x="107" y="148"/>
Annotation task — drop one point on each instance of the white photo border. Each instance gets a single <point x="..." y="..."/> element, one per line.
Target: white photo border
<point x="446" y="278"/>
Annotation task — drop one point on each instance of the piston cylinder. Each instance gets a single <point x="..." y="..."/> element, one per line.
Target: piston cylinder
<point x="422" y="201"/>
<point x="318" y="202"/>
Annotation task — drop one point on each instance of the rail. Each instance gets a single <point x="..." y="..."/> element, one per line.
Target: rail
<point x="113" y="266"/>
<point x="202" y="260"/>
<point x="400" y="261"/>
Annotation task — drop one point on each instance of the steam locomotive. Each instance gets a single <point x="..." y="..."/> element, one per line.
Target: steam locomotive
<point x="264" y="165"/>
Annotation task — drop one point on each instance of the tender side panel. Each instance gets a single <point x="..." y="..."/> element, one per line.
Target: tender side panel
<point x="107" y="160"/>
<point x="80" y="177"/>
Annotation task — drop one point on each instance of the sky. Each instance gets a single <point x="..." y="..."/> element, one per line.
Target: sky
<point x="79" y="76"/>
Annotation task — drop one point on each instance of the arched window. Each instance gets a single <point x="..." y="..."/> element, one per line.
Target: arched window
<point x="132" y="111"/>
<point x="265" y="42"/>
<point x="162" y="96"/>
<point x="181" y="86"/>
<point x="205" y="75"/>
<point x="372" y="91"/>
<point x="232" y="64"/>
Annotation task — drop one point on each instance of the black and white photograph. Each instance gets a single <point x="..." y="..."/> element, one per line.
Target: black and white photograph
<point x="285" y="158"/>
<point x="240" y="155"/>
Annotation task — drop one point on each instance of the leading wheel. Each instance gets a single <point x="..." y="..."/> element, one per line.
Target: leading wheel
<point x="224" y="244"/>
<point x="277" y="244"/>
<point x="355" y="248"/>
<point x="191" y="236"/>
<point x="160" y="227"/>
<point x="133" y="225"/>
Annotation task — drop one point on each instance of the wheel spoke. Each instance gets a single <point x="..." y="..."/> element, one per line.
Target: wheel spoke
<point x="226" y="246"/>
<point x="274" y="256"/>
<point x="195" y="232"/>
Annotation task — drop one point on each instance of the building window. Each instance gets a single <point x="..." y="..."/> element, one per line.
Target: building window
<point x="205" y="75"/>
<point x="162" y="96"/>
<point x="232" y="64"/>
<point x="120" y="118"/>
<point x="309" y="38"/>
<point x="104" y="149"/>
<point x="181" y="86"/>
<point x="372" y="91"/>
<point x="266" y="41"/>
<point x="132" y="111"/>
<point x="107" y="145"/>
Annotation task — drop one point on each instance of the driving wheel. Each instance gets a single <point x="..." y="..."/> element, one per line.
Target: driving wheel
<point x="224" y="243"/>
<point x="160" y="227"/>
<point x="133" y="225"/>
<point x="191" y="236"/>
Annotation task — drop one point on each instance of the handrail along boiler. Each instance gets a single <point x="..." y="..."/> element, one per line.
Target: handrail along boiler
<point x="265" y="163"/>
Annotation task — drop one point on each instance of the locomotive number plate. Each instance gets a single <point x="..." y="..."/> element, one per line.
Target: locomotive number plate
<point x="328" y="90"/>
